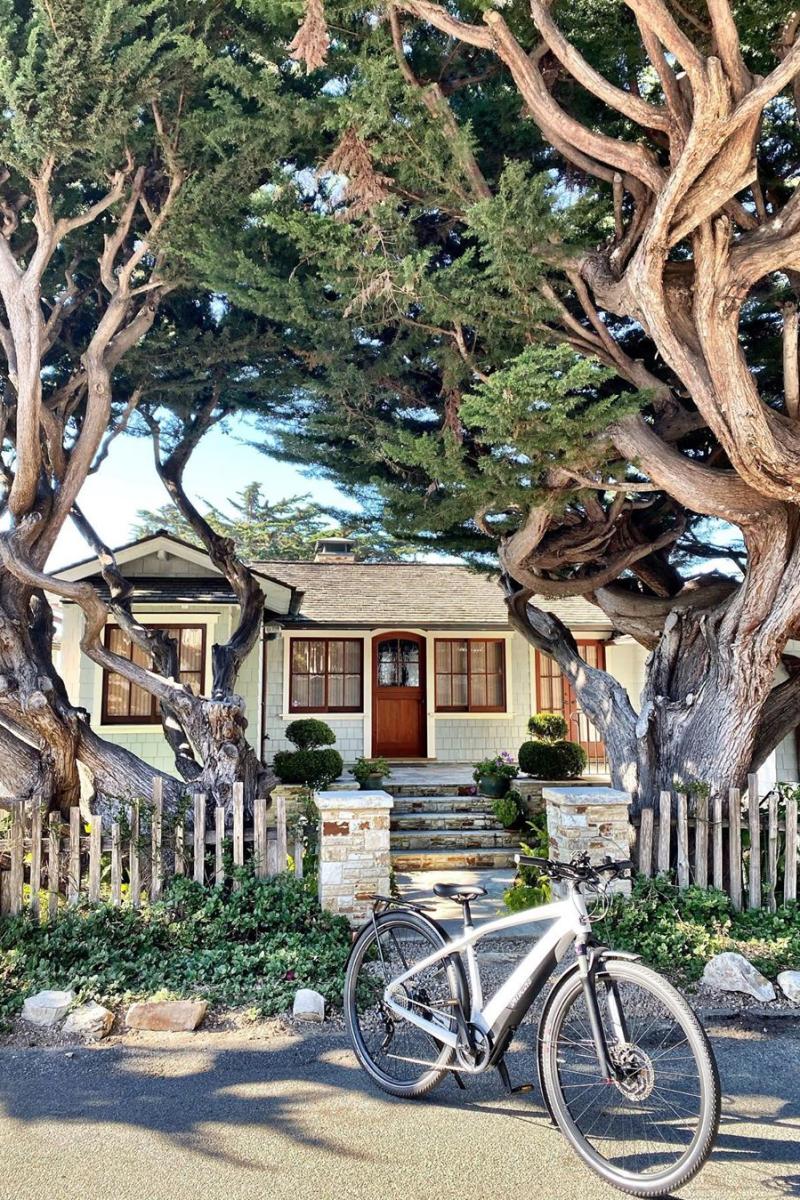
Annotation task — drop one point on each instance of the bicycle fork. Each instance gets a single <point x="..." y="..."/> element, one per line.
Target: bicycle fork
<point x="586" y="969"/>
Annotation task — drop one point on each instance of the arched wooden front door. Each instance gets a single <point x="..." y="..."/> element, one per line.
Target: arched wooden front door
<point x="398" y="695"/>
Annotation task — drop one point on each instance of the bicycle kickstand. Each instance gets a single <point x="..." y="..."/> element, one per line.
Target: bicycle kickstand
<point x="507" y="1084"/>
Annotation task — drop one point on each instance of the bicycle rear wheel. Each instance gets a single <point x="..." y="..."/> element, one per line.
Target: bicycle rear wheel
<point x="651" y="1131"/>
<point x="401" y="1058"/>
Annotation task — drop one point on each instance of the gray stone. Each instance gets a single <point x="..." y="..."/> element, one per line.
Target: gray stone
<point x="167" y="1016"/>
<point x="47" y="1008"/>
<point x="309" y="1005"/>
<point x="731" y="972"/>
<point x="90" y="1021"/>
<point x="789" y="983"/>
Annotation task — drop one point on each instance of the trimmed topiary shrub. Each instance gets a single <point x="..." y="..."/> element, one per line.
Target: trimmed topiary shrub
<point x="309" y="733"/>
<point x="548" y="726"/>
<point x="552" y="760"/>
<point x="570" y="760"/>
<point x="312" y="768"/>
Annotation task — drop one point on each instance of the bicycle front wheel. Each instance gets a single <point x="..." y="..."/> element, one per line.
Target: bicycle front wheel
<point x="650" y="1130"/>
<point x="401" y="1058"/>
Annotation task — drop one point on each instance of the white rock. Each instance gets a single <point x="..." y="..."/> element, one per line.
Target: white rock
<point x="309" y="1005"/>
<point x="90" y="1021"/>
<point x="47" y="1008"/>
<point x="730" y="972"/>
<point x="789" y="983"/>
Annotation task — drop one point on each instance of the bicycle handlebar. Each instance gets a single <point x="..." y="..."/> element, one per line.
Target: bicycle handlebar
<point x="580" y="869"/>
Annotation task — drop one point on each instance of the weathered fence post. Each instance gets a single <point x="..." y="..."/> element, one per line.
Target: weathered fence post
<point x="95" y="856"/>
<point x="664" y="829"/>
<point x="36" y="854"/>
<point x="74" y="876"/>
<point x="790" y="855"/>
<point x="116" y="861"/>
<point x="735" y="848"/>
<point x="772" y="852"/>
<point x="238" y="827"/>
<point x="717" y="837"/>
<point x="754" y="814"/>
<point x="17" y="877"/>
<point x="219" y="829"/>
<point x="200" y="838"/>
<point x="646" y="842"/>
<point x="53" y="855"/>
<point x="683" y="841"/>
<point x="260" y="836"/>
<point x="701" y="841"/>
<point x="281" y="846"/>
<point x="156" y="836"/>
<point x="133" y="857"/>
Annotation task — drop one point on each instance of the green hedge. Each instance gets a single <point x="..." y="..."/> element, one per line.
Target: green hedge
<point x="312" y="768"/>
<point x="552" y="760"/>
<point x="254" y="946"/>
<point x="679" y="931"/>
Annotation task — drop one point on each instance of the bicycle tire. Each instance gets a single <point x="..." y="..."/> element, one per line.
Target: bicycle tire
<point x="421" y="937"/>
<point x="569" y="1087"/>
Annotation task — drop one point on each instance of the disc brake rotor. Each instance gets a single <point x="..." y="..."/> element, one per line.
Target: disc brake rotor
<point x="638" y="1074"/>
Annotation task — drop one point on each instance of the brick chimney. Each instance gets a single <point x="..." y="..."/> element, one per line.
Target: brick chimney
<point x="334" y="550"/>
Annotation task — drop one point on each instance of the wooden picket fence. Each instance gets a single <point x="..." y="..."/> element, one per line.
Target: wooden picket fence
<point x="705" y="846"/>
<point x="139" y="844"/>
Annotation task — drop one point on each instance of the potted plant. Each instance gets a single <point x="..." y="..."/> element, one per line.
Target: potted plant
<point x="370" y="772"/>
<point x="493" y="775"/>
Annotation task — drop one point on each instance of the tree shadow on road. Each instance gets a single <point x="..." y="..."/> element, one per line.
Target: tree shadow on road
<point x="195" y="1092"/>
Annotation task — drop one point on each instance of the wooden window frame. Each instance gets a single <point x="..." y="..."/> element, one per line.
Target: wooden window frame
<point x="327" y="708"/>
<point x="470" y="707"/>
<point x="155" y="714"/>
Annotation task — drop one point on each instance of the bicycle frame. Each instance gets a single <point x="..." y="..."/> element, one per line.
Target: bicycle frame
<point x="507" y="1007"/>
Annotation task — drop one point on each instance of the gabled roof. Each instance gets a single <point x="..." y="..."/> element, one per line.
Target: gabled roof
<point x="409" y="594"/>
<point x="335" y="594"/>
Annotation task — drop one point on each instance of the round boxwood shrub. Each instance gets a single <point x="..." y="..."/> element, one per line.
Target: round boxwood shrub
<point x="312" y="768"/>
<point x="309" y="733"/>
<point x="549" y="726"/>
<point x="552" y="760"/>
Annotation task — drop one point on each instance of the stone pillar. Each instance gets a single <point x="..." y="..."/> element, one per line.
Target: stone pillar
<point x="592" y="820"/>
<point x="295" y="796"/>
<point x="354" y="856"/>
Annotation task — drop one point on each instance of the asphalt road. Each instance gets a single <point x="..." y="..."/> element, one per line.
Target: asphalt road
<point x="223" y="1116"/>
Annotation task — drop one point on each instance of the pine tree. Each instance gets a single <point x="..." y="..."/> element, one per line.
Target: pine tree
<point x="559" y="323"/>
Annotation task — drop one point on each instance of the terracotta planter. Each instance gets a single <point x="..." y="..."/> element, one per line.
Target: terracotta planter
<point x="494" y="786"/>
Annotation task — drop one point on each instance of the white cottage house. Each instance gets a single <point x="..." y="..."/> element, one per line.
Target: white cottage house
<point x="411" y="661"/>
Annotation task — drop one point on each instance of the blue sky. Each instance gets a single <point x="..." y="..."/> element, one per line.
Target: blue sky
<point x="220" y="467"/>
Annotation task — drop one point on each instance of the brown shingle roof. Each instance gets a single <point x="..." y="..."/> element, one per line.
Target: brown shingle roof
<point x="408" y="594"/>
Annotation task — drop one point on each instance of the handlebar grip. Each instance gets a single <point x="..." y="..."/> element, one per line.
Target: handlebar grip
<point x="531" y="860"/>
<point x="617" y="867"/>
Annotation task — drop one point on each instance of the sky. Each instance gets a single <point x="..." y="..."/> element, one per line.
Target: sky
<point x="220" y="467"/>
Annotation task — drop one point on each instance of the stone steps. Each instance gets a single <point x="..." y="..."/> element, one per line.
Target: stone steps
<point x="434" y="819"/>
<point x="424" y="805"/>
<point x="455" y="839"/>
<point x="491" y="858"/>
<point x="418" y="789"/>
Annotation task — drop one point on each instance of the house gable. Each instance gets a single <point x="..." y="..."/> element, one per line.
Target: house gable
<point x="160" y="557"/>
